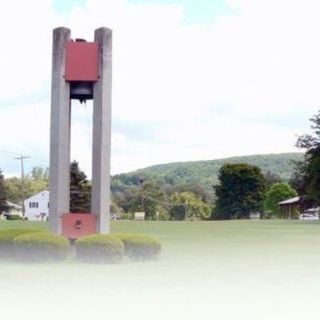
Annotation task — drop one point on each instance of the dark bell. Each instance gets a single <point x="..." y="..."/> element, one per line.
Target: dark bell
<point x="81" y="90"/>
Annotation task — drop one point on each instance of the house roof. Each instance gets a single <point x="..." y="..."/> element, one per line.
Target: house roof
<point x="290" y="201"/>
<point x="13" y="205"/>
<point x="44" y="192"/>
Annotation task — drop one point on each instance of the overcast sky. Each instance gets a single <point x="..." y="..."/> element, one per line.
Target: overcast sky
<point x="192" y="80"/>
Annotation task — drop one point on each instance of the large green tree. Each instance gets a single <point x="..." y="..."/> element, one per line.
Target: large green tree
<point x="309" y="170"/>
<point x="278" y="192"/>
<point x="241" y="191"/>
<point x="80" y="190"/>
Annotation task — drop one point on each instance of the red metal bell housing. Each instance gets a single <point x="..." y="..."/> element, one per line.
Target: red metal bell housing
<point x="81" y="68"/>
<point x="81" y="61"/>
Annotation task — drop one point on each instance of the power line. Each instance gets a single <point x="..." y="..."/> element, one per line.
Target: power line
<point x="10" y="152"/>
<point x="40" y="160"/>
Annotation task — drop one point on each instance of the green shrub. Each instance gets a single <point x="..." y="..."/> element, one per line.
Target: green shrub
<point x="14" y="217"/>
<point x="40" y="247"/>
<point x="140" y="247"/>
<point x="7" y="236"/>
<point x="99" y="248"/>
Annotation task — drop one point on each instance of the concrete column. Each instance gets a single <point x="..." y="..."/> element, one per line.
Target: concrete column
<point x="101" y="146"/>
<point x="59" y="133"/>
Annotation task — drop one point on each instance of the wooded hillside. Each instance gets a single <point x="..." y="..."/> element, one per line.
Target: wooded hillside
<point x="205" y="172"/>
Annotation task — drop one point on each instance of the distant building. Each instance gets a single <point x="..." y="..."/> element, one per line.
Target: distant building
<point x="139" y="216"/>
<point x="37" y="207"/>
<point x="299" y="204"/>
<point x="255" y="215"/>
<point x="12" y="209"/>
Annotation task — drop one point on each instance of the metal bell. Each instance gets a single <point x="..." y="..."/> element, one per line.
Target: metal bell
<point x="81" y="90"/>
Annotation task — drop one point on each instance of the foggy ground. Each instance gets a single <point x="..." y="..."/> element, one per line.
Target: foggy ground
<point x="214" y="270"/>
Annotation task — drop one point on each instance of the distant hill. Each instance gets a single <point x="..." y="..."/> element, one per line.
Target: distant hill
<point x="205" y="173"/>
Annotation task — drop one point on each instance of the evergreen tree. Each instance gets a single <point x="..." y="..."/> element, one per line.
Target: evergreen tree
<point x="80" y="190"/>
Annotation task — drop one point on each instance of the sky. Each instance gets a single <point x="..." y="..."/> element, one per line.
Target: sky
<point x="192" y="80"/>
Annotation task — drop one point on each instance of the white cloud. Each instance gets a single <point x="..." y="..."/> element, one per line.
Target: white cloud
<point x="245" y="84"/>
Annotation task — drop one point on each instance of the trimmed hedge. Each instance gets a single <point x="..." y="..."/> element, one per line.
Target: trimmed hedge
<point x="40" y="247"/>
<point x="14" y="217"/>
<point x="99" y="248"/>
<point x="140" y="247"/>
<point x="7" y="236"/>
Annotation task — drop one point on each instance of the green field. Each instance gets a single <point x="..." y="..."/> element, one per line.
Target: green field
<point x="271" y="265"/>
<point x="251" y="242"/>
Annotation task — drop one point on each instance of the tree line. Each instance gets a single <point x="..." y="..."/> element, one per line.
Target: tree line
<point x="241" y="189"/>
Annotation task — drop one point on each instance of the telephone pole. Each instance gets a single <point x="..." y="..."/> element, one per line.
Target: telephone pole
<point x="21" y="158"/>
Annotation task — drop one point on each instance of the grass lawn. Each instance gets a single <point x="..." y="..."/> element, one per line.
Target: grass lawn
<point x="246" y="264"/>
<point x="256" y="241"/>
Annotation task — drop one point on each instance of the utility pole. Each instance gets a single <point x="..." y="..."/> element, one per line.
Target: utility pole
<point x="21" y="158"/>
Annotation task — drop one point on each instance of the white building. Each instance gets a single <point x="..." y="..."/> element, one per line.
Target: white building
<point x="37" y="206"/>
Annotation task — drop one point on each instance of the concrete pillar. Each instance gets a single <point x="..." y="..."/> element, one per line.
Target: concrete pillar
<point x="59" y="133"/>
<point x="101" y="144"/>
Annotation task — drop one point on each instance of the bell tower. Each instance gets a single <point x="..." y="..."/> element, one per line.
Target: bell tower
<point x="83" y="71"/>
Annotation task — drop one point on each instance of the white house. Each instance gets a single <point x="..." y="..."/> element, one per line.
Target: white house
<point x="37" y="206"/>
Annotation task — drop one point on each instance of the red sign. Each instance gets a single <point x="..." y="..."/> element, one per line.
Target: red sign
<point x="76" y="225"/>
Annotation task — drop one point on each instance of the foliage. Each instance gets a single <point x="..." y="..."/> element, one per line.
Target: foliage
<point x="241" y="191"/>
<point x="114" y="208"/>
<point x="151" y="200"/>
<point x="179" y="212"/>
<point x="278" y="192"/>
<point x="203" y="173"/>
<point x="14" y="217"/>
<point x="140" y="247"/>
<point x="309" y="168"/>
<point x="197" y="177"/>
<point x="7" y="236"/>
<point x="80" y="190"/>
<point x="199" y="190"/>
<point x="296" y="180"/>
<point x="39" y="174"/>
<point x="3" y="194"/>
<point x="36" y="181"/>
<point x="40" y="247"/>
<point x="127" y="216"/>
<point x="162" y="214"/>
<point x="99" y="248"/>
<point x="148" y="197"/>
<point x="186" y="205"/>
<point x="13" y="189"/>
<point x="129" y="200"/>
<point x="271" y="178"/>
